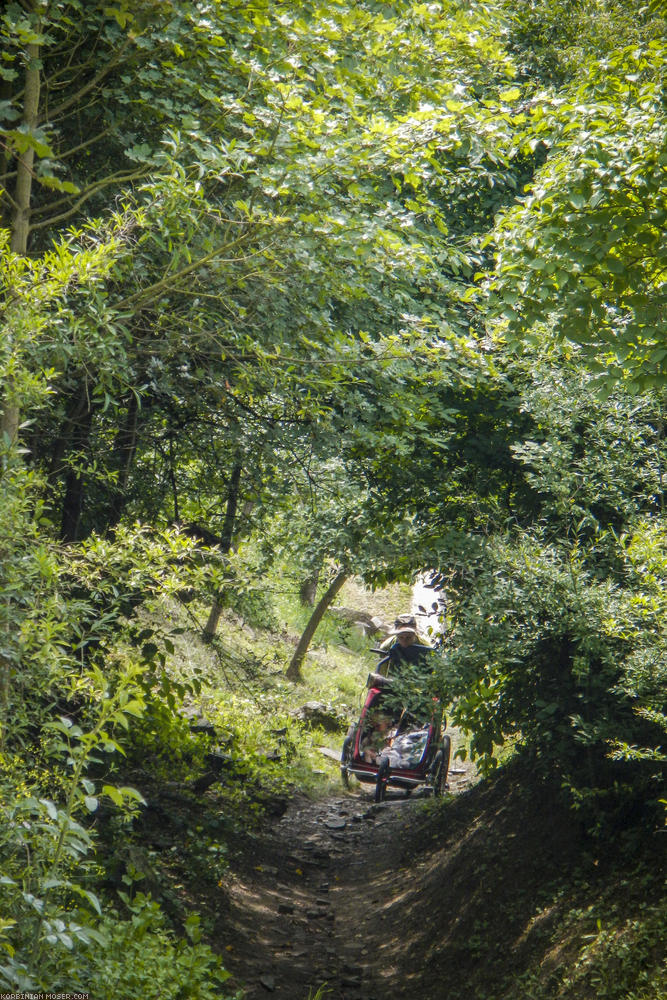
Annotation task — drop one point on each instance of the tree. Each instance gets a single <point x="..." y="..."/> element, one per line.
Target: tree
<point x="52" y="97"/>
<point x="293" y="672"/>
<point x="302" y="203"/>
<point x="583" y="250"/>
<point x="544" y="631"/>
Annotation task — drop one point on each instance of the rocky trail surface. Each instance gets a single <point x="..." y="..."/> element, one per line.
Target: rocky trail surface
<point x="319" y="901"/>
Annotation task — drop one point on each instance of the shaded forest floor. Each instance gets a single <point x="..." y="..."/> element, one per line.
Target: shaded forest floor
<point x="476" y="895"/>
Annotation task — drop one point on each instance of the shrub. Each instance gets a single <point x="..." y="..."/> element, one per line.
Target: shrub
<point x="545" y="651"/>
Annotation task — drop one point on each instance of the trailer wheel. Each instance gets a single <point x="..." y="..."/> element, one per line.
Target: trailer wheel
<point x="446" y="753"/>
<point x="440" y="766"/>
<point x="381" y="782"/>
<point x="346" y="756"/>
<point x="435" y="774"/>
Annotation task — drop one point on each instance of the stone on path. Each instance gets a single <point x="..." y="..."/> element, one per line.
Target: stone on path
<point x="335" y="823"/>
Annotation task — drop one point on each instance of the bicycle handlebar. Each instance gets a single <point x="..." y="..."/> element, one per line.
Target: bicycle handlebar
<point x="415" y="645"/>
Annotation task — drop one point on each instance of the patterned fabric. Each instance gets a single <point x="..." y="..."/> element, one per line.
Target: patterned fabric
<point x="407" y="749"/>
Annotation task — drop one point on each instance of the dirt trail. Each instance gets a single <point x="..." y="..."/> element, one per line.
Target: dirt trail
<point x="312" y="904"/>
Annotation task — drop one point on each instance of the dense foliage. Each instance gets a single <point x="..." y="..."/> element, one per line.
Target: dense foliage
<point x="557" y="635"/>
<point x="377" y="288"/>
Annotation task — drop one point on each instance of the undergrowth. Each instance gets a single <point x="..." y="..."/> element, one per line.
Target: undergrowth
<point x="609" y="946"/>
<point x="538" y="909"/>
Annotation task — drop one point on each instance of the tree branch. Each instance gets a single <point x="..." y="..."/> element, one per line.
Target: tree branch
<point x="171" y="280"/>
<point x="83" y="145"/>
<point x="6" y="194"/>
<point x="75" y="98"/>
<point x="51" y="82"/>
<point x="116" y="178"/>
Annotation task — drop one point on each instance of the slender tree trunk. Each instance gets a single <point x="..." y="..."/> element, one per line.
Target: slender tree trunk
<point x="10" y="417"/>
<point x="6" y="95"/>
<point x="77" y="405"/>
<point x="5" y="673"/>
<point x="226" y="544"/>
<point x="75" y="482"/>
<point x="26" y="161"/>
<point x="172" y="480"/>
<point x="124" y="448"/>
<point x="661" y="472"/>
<point x="246" y="511"/>
<point x="294" y="670"/>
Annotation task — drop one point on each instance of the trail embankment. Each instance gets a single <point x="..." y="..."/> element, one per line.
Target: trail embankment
<point x="472" y="895"/>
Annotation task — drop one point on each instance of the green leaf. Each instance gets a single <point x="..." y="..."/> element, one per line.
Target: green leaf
<point x="113" y="793"/>
<point x="56" y="184"/>
<point x="50" y="808"/>
<point x="23" y="139"/>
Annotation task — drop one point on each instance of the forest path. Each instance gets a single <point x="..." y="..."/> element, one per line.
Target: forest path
<point x="319" y="901"/>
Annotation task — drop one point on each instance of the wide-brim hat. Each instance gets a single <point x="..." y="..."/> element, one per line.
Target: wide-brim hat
<point x="404" y="625"/>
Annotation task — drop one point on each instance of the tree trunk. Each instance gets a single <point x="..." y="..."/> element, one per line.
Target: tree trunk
<point x="10" y="418"/>
<point x="25" y="162"/>
<point x="6" y="155"/>
<point x="246" y="511"/>
<point x="294" y="670"/>
<point x="172" y="480"/>
<point x="76" y="407"/>
<point x="124" y="449"/>
<point x="5" y="674"/>
<point x="226" y="544"/>
<point x="74" y="482"/>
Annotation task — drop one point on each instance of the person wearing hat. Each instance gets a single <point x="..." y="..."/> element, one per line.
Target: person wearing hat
<point x="404" y="644"/>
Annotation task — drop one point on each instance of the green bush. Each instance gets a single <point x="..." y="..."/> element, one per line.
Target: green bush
<point x="568" y="662"/>
<point x="619" y="957"/>
<point x="161" y="743"/>
<point x="57" y="931"/>
<point x="142" y="959"/>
